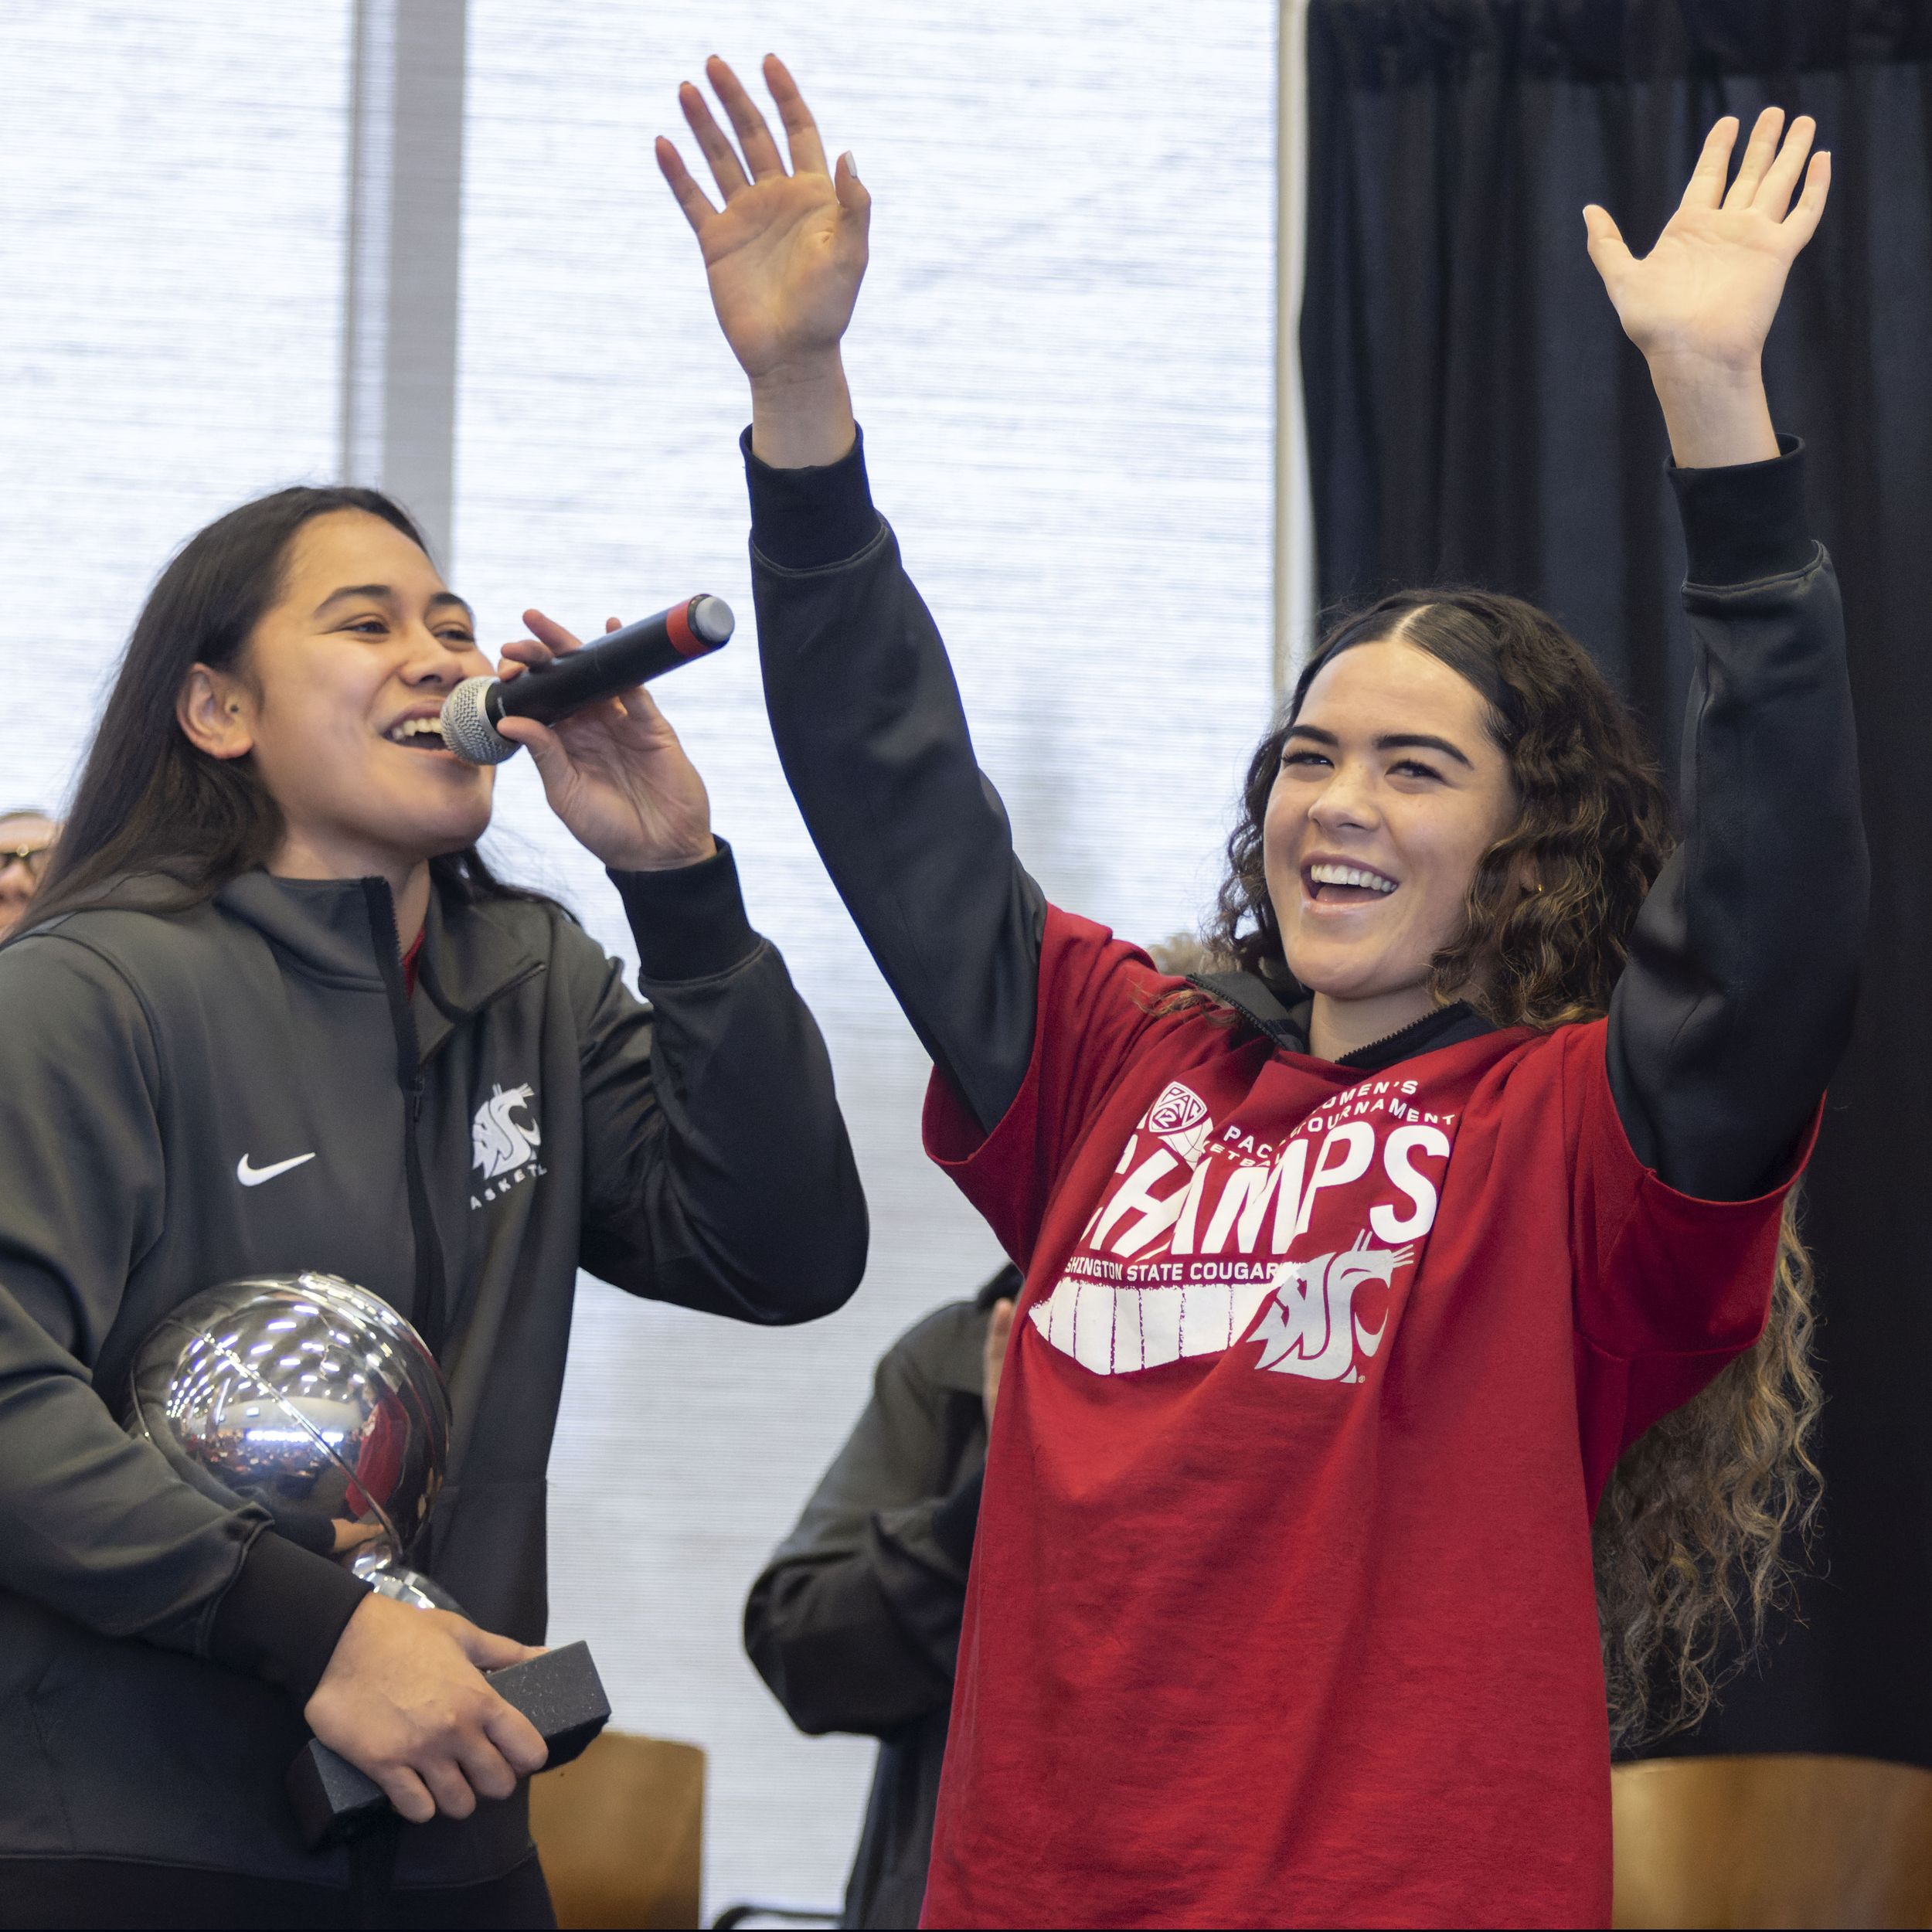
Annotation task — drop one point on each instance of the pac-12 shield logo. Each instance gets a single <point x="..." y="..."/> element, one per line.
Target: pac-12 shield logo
<point x="1177" y="1109"/>
<point x="1180" y="1117"/>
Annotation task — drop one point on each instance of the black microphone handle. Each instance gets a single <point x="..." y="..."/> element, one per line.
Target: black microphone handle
<point x="613" y="663"/>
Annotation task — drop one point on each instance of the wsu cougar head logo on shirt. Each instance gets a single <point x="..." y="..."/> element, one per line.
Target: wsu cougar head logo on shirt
<point x="1207" y="1238"/>
<point x="1321" y="1314"/>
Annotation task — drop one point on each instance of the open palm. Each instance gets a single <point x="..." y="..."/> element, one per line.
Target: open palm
<point x="786" y="253"/>
<point x="1707" y="291"/>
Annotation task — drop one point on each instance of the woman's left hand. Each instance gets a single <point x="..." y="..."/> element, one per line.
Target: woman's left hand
<point x="1700" y="303"/>
<point x="614" y="773"/>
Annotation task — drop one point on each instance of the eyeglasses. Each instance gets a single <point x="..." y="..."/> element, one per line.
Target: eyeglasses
<point x="33" y="857"/>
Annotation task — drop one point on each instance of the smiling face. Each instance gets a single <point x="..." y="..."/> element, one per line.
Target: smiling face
<point x="336" y="700"/>
<point x="1390" y="790"/>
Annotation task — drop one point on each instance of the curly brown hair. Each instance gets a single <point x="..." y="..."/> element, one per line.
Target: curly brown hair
<point x="1692" y="1536"/>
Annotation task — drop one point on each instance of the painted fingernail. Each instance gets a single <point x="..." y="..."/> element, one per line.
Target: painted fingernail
<point x="852" y="166"/>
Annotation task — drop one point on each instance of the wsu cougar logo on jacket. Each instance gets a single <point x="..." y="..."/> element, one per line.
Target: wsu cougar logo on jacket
<point x="503" y="1149"/>
<point x="1205" y="1238"/>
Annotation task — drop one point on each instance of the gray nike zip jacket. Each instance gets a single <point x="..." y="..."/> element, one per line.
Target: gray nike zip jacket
<point x="245" y="1088"/>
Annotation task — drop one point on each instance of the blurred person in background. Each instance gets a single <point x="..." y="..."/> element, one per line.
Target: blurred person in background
<point x="273" y="1012"/>
<point x="26" y="844"/>
<point x="854" y="1624"/>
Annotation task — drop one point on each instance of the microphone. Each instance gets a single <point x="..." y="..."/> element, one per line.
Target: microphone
<point x="603" y="668"/>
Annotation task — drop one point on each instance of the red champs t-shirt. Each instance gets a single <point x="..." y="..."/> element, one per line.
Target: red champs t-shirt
<point x="1281" y="1609"/>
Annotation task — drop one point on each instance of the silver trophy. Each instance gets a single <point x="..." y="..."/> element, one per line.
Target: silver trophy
<point x="314" y="1400"/>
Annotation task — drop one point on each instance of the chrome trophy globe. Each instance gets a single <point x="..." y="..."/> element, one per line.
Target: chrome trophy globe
<point x="312" y="1398"/>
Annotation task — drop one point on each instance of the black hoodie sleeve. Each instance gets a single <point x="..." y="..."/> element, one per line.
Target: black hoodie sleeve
<point x="874" y="744"/>
<point x="718" y="1173"/>
<point x="855" y="1622"/>
<point x="1736" y="1002"/>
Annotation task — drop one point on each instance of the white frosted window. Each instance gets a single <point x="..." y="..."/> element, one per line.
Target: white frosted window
<point x="1063" y="360"/>
<point x="170" y="316"/>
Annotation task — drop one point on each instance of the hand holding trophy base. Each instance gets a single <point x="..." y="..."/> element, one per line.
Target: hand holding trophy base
<point x="559" y="1692"/>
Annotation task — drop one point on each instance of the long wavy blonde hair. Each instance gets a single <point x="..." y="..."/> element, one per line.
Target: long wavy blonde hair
<point x="1696" y="1535"/>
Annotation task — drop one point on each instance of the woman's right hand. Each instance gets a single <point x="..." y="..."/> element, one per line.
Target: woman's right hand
<point x="404" y="1699"/>
<point x="784" y="257"/>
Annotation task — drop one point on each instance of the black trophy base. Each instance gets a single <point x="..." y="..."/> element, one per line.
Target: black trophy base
<point x="559" y="1692"/>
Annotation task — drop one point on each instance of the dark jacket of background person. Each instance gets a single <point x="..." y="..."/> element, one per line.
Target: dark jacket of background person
<point x="855" y="1622"/>
<point x="156" y="1649"/>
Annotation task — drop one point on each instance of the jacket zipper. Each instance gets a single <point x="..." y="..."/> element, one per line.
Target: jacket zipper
<point x="1280" y="1032"/>
<point x="1351" y="1060"/>
<point x="430" y="1314"/>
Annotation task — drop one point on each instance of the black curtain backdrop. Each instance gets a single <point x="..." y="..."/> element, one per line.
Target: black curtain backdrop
<point x="1475" y="414"/>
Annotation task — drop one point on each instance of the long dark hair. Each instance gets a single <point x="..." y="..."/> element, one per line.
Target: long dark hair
<point x="151" y="804"/>
<point x="1691" y="1538"/>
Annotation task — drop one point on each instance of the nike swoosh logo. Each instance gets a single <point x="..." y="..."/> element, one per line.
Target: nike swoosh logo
<point x="254" y="1176"/>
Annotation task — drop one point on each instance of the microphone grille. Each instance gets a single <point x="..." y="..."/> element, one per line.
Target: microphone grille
<point x="712" y="620"/>
<point x="467" y="729"/>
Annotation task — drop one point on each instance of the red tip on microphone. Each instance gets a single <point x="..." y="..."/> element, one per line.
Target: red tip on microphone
<point x="677" y="625"/>
<point x="701" y="624"/>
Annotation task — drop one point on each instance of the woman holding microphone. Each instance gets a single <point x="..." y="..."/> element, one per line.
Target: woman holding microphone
<point x="269" y="1011"/>
<point x="1360" y="1281"/>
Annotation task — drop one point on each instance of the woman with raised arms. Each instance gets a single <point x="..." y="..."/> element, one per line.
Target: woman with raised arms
<point x="1353" y="1276"/>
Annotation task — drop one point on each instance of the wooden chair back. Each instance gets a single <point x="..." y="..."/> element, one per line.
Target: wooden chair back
<point x="621" y="1832"/>
<point x="1772" y="1841"/>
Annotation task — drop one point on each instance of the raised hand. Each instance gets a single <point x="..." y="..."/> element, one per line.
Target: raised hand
<point x="614" y="773"/>
<point x="784" y="257"/>
<point x="1700" y="303"/>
